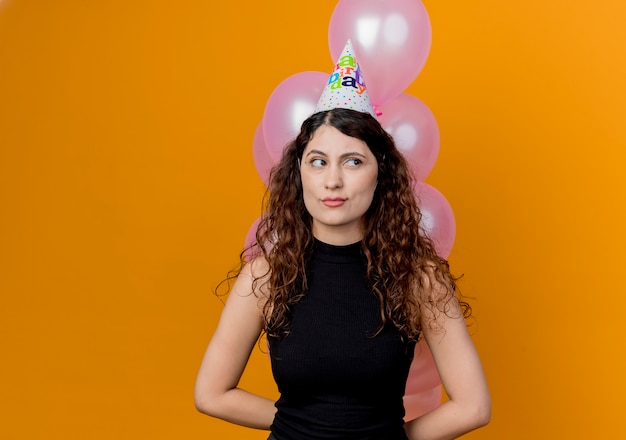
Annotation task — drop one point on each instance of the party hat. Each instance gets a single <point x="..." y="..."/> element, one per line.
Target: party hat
<point x="346" y="86"/>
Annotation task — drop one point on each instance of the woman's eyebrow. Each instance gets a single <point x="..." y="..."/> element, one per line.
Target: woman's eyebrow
<point x="316" y="152"/>
<point x="351" y="153"/>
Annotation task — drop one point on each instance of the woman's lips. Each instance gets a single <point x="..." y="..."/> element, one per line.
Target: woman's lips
<point x="333" y="202"/>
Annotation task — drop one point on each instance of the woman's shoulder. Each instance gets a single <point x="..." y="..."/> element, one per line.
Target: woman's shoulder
<point x="257" y="267"/>
<point x="256" y="273"/>
<point x="433" y="276"/>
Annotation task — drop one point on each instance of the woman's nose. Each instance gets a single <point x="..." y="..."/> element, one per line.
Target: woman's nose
<point x="333" y="178"/>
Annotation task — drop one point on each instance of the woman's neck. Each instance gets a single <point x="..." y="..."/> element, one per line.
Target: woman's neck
<point x="337" y="237"/>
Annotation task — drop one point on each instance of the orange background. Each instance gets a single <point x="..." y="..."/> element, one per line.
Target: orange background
<point x="127" y="186"/>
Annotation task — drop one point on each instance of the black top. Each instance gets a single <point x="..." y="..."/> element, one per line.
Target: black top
<point x="337" y="377"/>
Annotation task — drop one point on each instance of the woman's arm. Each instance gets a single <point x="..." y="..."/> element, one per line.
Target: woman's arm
<point x="459" y="367"/>
<point x="240" y="325"/>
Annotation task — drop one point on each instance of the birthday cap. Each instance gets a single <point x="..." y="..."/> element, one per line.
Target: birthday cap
<point x="346" y="87"/>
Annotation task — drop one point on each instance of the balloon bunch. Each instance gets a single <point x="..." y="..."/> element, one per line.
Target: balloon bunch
<point x="392" y="39"/>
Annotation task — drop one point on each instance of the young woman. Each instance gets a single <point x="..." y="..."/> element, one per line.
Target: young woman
<point x="343" y="284"/>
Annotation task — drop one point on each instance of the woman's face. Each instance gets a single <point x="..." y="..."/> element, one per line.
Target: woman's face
<point x="339" y="175"/>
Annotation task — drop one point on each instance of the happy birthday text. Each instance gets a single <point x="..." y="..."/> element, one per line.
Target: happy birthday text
<point x="347" y="74"/>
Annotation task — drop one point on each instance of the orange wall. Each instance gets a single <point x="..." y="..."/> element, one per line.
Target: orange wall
<point x="127" y="186"/>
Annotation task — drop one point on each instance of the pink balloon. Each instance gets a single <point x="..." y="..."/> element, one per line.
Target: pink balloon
<point x="391" y="39"/>
<point x="423" y="373"/>
<point x="416" y="405"/>
<point x="288" y="106"/>
<point x="415" y="131"/>
<point x="437" y="217"/>
<point x="262" y="159"/>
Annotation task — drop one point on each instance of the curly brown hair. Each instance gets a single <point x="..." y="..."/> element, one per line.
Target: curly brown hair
<point x="402" y="264"/>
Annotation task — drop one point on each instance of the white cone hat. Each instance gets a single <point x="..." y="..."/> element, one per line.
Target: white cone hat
<point x="346" y="86"/>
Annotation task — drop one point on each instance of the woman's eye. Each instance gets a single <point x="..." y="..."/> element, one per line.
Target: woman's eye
<point x="354" y="162"/>
<point x="318" y="162"/>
